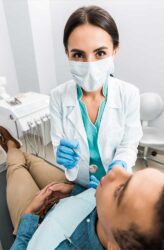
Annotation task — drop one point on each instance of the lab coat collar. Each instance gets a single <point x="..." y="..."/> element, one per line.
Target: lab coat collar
<point x="113" y="100"/>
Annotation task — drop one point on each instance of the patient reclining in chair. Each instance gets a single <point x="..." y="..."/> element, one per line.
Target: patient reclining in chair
<point x="125" y="212"/>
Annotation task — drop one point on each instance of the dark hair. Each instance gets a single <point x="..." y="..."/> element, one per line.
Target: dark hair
<point x="132" y="239"/>
<point x="93" y="15"/>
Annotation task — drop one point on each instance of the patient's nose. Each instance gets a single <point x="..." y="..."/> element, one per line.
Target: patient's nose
<point x="119" y="173"/>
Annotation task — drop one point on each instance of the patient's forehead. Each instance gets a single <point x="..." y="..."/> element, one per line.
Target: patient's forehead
<point x="149" y="179"/>
<point x="145" y="185"/>
<point x="141" y="196"/>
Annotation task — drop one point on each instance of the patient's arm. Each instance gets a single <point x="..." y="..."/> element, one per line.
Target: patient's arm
<point x="38" y="206"/>
<point x="49" y="195"/>
<point x="27" y="227"/>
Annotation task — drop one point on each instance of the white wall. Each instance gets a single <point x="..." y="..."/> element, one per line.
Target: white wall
<point x="19" y="28"/>
<point x="7" y="66"/>
<point x="141" y="56"/>
<point x="39" y="12"/>
<point x="29" y="26"/>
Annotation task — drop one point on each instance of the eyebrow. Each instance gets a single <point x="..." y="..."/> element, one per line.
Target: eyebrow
<point x="123" y="191"/>
<point x="78" y="50"/>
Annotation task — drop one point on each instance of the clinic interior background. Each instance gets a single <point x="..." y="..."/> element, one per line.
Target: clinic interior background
<point x="32" y="56"/>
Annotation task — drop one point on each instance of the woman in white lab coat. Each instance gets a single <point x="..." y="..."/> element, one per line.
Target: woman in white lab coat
<point x="95" y="118"/>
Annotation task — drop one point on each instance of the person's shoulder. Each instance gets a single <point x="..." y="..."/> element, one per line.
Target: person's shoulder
<point x="124" y="87"/>
<point x="62" y="88"/>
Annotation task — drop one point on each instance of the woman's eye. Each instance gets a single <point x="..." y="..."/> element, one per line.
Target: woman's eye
<point x="100" y="53"/>
<point x="77" y="55"/>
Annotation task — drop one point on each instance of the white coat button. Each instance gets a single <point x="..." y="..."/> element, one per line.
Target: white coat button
<point x="93" y="169"/>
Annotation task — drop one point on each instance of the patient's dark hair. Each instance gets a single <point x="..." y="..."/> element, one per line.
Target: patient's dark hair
<point x="134" y="240"/>
<point x="94" y="15"/>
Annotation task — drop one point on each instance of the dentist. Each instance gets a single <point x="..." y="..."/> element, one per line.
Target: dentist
<point x="95" y="118"/>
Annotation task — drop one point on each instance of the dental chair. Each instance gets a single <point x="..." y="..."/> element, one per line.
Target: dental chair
<point x="151" y="107"/>
<point x="6" y="228"/>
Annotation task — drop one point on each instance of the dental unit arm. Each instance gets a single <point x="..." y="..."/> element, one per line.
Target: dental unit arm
<point x="27" y="116"/>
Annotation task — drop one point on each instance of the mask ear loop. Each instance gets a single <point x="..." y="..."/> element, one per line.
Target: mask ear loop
<point x="112" y="73"/>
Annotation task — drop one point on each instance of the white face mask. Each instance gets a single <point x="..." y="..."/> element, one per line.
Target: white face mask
<point x="91" y="75"/>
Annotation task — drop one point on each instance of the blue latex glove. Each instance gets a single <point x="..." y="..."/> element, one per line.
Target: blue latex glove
<point x="94" y="182"/>
<point x="66" y="155"/>
<point x="117" y="162"/>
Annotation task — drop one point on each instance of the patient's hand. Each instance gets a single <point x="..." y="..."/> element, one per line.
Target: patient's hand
<point x="45" y="198"/>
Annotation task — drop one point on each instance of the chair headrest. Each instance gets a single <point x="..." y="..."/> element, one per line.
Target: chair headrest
<point x="151" y="106"/>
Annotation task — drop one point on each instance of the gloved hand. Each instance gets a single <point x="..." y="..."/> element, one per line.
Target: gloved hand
<point x="116" y="163"/>
<point x="94" y="182"/>
<point x="66" y="155"/>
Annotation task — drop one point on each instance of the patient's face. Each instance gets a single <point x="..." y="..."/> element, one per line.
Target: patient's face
<point x="124" y="198"/>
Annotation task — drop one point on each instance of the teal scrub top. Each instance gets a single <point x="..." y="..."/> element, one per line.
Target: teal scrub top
<point x="92" y="130"/>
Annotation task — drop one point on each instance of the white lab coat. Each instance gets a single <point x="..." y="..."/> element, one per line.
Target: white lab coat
<point x="119" y="133"/>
